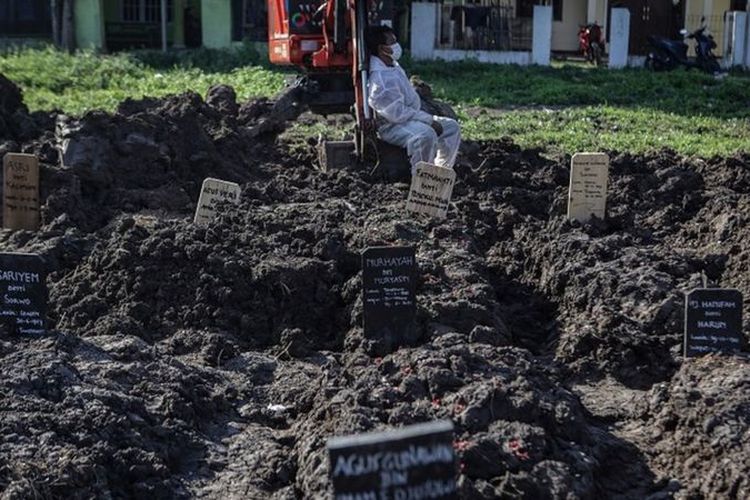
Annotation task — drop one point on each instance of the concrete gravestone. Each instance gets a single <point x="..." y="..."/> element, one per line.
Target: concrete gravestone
<point x="431" y="190"/>
<point x="713" y="321"/>
<point x="214" y="191"/>
<point x="413" y="462"/>
<point x="23" y="288"/>
<point x="587" y="196"/>
<point x="388" y="293"/>
<point x="20" y="191"/>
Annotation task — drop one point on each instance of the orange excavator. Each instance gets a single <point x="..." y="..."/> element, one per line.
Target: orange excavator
<point x="326" y="40"/>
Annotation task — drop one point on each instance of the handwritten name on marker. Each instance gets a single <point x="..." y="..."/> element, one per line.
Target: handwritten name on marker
<point x="713" y="321"/>
<point x="389" y="276"/>
<point x="23" y="293"/>
<point x="20" y="191"/>
<point x="587" y="194"/>
<point x="213" y="192"/>
<point x="431" y="190"/>
<point x="417" y="461"/>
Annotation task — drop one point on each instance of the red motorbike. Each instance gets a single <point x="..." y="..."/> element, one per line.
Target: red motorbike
<point x="591" y="43"/>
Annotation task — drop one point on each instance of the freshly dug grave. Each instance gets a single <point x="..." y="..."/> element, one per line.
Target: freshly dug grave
<point x="214" y="362"/>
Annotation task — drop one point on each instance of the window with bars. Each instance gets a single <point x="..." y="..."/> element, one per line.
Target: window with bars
<point x="30" y="17"/>
<point x="525" y="8"/>
<point x="250" y="20"/>
<point x="144" y="11"/>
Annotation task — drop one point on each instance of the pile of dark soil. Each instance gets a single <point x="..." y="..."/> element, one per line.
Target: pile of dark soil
<point x="16" y="124"/>
<point x="214" y="361"/>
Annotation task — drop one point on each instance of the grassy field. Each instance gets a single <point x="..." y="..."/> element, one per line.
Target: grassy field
<point x="561" y="109"/>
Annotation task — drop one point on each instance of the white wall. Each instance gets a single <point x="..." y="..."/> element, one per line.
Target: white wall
<point x="484" y="56"/>
<point x="565" y="32"/>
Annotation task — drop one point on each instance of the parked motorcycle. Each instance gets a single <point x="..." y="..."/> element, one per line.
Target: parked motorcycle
<point x="667" y="54"/>
<point x="591" y="43"/>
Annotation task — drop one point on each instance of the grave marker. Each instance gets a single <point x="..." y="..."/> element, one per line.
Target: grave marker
<point x="413" y="462"/>
<point x="431" y="190"/>
<point x="212" y="192"/>
<point x="389" y="277"/>
<point x="23" y="293"/>
<point x="713" y="321"/>
<point x="20" y="191"/>
<point x="587" y="196"/>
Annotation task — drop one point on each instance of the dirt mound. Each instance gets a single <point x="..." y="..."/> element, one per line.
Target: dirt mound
<point x="192" y="361"/>
<point x="16" y="125"/>
<point x="696" y="427"/>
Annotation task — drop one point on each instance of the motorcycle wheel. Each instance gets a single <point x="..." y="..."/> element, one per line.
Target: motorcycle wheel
<point x="653" y="63"/>
<point x="710" y="66"/>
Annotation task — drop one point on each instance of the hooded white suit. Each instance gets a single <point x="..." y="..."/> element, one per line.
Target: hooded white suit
<point x="401" y="121"/>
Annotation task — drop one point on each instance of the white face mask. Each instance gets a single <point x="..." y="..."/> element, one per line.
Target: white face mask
<point x="397" y="51"/>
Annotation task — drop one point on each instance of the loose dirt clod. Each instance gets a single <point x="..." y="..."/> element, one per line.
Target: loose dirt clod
<point x="215" y="361"/>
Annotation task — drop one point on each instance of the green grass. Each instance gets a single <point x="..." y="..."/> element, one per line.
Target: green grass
<point x="611" y="128"/>
<point x="681" y="92"/>
<point x="85" y="81"/>
<point x="565" y="108"/>
<point x="574" y="108"/>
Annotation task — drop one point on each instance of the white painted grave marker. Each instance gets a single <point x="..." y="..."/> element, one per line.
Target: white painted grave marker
<point x="431" y="190"/>
<point x="589" y="173"/>
<point x="213" y="192"/>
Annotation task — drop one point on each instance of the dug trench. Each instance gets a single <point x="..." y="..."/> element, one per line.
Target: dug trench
<point x="215" y="361"/>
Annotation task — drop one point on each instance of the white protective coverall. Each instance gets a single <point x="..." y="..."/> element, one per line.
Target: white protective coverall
<point x="401" y="121"/>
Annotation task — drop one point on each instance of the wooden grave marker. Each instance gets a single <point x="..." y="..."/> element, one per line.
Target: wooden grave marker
<point x="214" y="191"/>
<point x="20" y="191"/>
<point x="587" y="196"/>
<point x="431" y="190"/>
<point x="417" y="461"/>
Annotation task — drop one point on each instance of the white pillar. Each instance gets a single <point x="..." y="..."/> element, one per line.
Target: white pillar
<point x="591" y="11"/>
<point x="735" y="27"/>
<point x="423" y="30"/>
<point x="747" y="38"/>
<point x="541" y="45"/>
<point x="619" y="38"/>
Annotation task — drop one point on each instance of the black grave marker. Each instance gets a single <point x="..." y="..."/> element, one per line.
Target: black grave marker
<point x="389" y="279"/>
<point x="23" y="293"/>
<point x="413" y="462"/>
<point x="713" y="321"/>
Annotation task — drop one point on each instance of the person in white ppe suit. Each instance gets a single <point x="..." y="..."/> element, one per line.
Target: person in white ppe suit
<point x="401" y="122"/>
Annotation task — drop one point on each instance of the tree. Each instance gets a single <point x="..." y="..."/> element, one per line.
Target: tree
<point x="68" y="31"/>
<point x="63" y="29"/>
<point x="55" y="14"/>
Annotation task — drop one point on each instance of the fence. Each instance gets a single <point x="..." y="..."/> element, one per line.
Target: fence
<point x="491" y="27"/>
